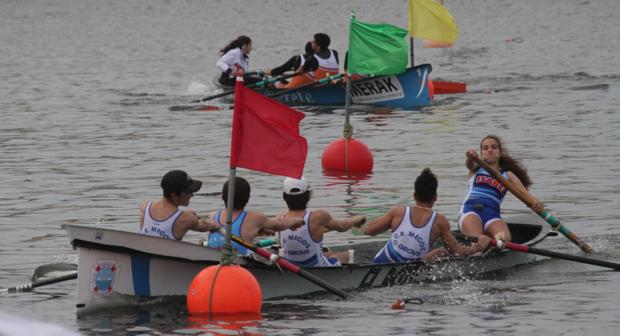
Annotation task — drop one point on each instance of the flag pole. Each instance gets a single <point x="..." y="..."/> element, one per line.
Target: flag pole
<point x="411" y="51"/>
<point x="227" y="250"/>
<point x="347" y="131"/>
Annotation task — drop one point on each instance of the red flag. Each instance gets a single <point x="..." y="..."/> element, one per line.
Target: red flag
<point x="265" y="135"/>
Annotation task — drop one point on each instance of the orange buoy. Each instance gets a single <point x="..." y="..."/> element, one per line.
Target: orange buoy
<point x="349" y="155"/>
<point x="398" y="304"/>
<point x="229" y="289"/>
<point x="431" y="88"/>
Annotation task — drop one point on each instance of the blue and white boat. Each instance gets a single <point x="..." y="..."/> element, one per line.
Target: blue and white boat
<point x="406" y="90"/>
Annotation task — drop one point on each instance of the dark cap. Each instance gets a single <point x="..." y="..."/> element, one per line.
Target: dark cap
<point x="178" y="181"/>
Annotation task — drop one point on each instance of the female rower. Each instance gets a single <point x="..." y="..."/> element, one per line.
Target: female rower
<point x="235" y="56"/>
<point x="480" y="212"/>
<point x="416" y="228"/>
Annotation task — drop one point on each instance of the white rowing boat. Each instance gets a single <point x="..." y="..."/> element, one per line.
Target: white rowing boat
<point x="118" y="267"/>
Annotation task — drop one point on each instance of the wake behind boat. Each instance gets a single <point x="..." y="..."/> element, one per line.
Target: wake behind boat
<point x="119" y="268"/>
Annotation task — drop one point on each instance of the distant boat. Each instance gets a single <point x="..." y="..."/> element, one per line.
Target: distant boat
<point x="123" y="268"/>
<point x="406" y="90"/>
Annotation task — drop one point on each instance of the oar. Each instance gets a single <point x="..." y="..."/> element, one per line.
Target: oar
<point x="257" y="84"/>
<point x="42" y="282"/>
<point x="322" y="81"/>
<point x="552" y="220"/>
<point x="527" y="249"/>
<point x="287" y="265"/>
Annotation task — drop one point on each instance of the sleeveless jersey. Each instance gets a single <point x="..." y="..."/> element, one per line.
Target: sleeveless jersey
<point x="482" y="186"/>
<point x="408" y="242"/>
<point x="163" y="229"/>
<point x="327" y="67"/>
<point x="300" y="249"/>
<point x="216" y="240"/>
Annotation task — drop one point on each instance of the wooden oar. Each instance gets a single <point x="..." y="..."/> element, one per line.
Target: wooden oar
<point x="257" y="84"/>
<point x="287" y="265"/>
<point x="527" y="249"/>
<point x="548" y="217"/>
<point x="322" y="81"/>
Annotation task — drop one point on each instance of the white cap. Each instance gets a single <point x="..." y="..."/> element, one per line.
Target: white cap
<point x="294" y="186"/>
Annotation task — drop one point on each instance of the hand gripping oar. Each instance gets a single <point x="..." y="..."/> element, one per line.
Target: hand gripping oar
<point x="257" y="84"/>
<point x="548" y="217"/>
<point x="527" y="249"/>
<point x="287" y="265"/>
<point x="322" y="81"/>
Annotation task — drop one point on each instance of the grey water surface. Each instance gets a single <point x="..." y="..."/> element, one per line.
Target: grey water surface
<point x="86" y="134"/>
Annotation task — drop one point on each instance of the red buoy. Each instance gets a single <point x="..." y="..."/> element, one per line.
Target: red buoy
<point x="229" y="289"/>
<point x="349" y="155"/>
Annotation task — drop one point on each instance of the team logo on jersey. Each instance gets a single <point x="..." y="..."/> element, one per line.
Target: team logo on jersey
<point x="491" y="182"/>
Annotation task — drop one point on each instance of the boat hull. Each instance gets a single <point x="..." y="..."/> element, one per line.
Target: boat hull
<point x="117" y="267"/>
<point x="406" y="90"/>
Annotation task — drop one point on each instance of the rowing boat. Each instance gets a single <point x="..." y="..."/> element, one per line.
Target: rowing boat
<point x="119" y="268"/>
<point x="406" y="90"/>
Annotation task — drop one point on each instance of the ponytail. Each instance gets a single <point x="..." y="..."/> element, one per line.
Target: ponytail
<point x="237" y="43"/>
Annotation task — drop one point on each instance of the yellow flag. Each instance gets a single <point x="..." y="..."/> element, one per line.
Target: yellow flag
<point x="431" y="21"/>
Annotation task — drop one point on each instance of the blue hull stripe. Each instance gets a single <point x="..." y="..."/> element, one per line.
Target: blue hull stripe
<point x="140" y="271"/>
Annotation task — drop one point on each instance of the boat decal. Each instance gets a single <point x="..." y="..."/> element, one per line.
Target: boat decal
<point x="376" y="90"/>
<point x="103" y="277"/>
<point x="140" y="272"/>
<point x="296" y="98"/>
<point x="424" y="77"/>
<point x="369" y="278"/>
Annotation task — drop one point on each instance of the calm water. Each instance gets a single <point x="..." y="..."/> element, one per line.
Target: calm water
<point x="86" y="134"/>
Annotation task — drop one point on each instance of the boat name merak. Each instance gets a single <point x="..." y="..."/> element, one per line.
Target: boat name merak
<point x="376" y="90"/>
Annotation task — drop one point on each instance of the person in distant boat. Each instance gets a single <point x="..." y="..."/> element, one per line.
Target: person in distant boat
<point x="304" y="246"/>
<point x="164" y="218"/>
<point x="235" y="56"/>
<point x="246" y="224"/>
<point x="327" y="58"/>
<point x="480" y="212"/>
<point x="302" y="65"/>
<point x="415" y="228"/>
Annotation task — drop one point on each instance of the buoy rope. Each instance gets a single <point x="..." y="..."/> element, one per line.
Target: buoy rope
<point x="210" y="311"/>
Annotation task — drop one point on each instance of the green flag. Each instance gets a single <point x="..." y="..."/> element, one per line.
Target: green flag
<point x="376" y="48"/>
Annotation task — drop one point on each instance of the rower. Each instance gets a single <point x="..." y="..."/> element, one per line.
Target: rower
<point x="246" y="224"/>
<point x="415" y="228"/>
<point x="327" y="58"/>
<point x="235" y="56"/>
<point x="303" y="65"/>
<point x="304" y="246"/>
<point x="165" y="218"/>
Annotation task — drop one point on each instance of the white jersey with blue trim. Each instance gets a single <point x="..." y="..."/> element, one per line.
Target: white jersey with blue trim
<point x="163" y="229"/>
<point x="301" y="249"/>
<point x="481" y="185"/>
<point x="408" y="242"/>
